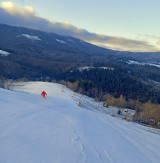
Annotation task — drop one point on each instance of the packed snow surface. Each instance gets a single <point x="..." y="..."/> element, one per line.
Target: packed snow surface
<point x="57" y="130"/>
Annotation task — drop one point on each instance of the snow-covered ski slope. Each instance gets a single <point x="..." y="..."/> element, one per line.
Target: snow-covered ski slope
<point x="57" y="130"/>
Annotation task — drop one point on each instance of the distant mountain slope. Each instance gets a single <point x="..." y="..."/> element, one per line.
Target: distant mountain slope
<point x="32" y="54"/>
<point x="37" y="43"/>
<point x="146" y="57"/>
<point x="29" y="40"/>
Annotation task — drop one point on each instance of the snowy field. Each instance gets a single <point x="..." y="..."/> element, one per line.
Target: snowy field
<point x="57" y="130"/>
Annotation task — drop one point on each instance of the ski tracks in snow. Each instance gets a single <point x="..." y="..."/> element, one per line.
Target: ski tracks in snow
<point x="86" y="152"/>
<point x="58" y="130"/>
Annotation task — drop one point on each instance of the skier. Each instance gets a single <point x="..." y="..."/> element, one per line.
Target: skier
<point x="43" y="94"/>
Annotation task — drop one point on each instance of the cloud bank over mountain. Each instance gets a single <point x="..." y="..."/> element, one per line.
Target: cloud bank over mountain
<point x="27" y="17"/>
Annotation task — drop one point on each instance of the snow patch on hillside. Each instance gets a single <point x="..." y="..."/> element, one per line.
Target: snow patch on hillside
<point x="61" y="41"/>
<point x="4" y="53"/>
<point x="88" y="68"/>
<point x="130" y="62"/>
<point x="155" y="65"/>
<point x="85" y="68"/>
<point x="106" y="68"/>
<point x="30" y="37"/>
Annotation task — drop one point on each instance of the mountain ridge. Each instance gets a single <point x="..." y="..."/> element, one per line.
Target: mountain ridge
<point x="32" y="55"/>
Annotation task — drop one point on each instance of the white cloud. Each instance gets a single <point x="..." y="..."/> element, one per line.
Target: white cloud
<point x="154" y="40"/>
<point x="26" y="17"/>
<point x="12" y="9"/>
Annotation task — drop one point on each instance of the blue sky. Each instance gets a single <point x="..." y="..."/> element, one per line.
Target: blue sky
<point x="135" y="20"/>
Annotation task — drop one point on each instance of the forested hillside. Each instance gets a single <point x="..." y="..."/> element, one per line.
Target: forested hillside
<point x="32" y="55"/>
